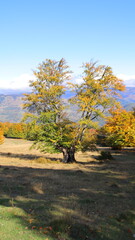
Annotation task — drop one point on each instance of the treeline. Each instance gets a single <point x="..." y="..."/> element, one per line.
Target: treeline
<point x="18" y="130"/>
<point x="118" y="132"/>
<point x="31" y="131"/>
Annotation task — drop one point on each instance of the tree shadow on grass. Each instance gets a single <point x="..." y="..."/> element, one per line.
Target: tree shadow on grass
<point x="72" y="204"/>
<point x="27" y="156"/>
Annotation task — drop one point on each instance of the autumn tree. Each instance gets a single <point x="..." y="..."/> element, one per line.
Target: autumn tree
<point x="120" y="129"/>
<point x="95" y="95"/>
<point x="48" y="88"/>
<point x="1" y="137"/>
<point x="19" y="130"/>
<point x="1" y="133"/>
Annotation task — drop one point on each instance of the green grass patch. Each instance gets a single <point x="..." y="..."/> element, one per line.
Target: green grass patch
<point x="13" y="226"/>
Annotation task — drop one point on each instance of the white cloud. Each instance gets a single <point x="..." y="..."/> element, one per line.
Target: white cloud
<point x="129" y="80"/>
<point x="20" y="82"/>
<point x="77" y="79"/>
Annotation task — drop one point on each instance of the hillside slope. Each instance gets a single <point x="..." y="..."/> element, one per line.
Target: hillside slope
<point x="11" y="104"/>
<point x="11" y="108"/>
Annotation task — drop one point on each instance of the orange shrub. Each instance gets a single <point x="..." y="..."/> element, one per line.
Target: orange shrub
<point x="120" y="129"/>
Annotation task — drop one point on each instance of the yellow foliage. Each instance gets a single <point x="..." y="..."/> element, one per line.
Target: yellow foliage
<point x="120" y="128"/>
<point x="1" y="137"/>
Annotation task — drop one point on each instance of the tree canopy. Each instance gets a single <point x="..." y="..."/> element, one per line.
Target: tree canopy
<point x="120" y="129"/>
<point x="93" y="96"/>
<point x="48" y="87"/>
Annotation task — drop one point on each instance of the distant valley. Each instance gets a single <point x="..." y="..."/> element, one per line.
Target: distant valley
<point x="11" y="108"/>
<point x="11" y="103"/>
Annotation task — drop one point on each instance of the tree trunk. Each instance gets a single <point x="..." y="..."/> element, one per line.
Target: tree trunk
<point x="69" y="155"/>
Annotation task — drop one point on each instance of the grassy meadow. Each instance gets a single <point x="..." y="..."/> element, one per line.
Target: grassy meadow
<point x="44" y="199"/>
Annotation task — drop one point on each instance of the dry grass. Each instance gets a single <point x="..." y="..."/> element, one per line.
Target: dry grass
<point x="84" y="200"/>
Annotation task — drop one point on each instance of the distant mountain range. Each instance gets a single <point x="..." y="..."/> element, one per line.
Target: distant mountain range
<point x="11" y="92"/>
<point x="11" y="108"/>
<point x="11" y="103"/>
<point x="128" y="98"/>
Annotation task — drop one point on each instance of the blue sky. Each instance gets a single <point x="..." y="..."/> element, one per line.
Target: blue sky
<point x="77" y="30"/>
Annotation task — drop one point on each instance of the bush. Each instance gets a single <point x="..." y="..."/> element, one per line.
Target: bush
<point x="105" y="155"/>
<point x="1" y="137"/>
<point x="19" y="130"/>
<point x="120" y="129"/>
